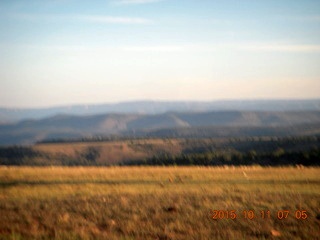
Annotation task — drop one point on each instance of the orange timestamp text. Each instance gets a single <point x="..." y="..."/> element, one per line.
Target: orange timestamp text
<point x="252" y="214"/>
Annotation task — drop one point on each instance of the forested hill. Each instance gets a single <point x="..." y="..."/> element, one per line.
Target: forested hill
<point x="265" y="151"/>
<point x="157" y="107"/>
<point x="170" y="124"/>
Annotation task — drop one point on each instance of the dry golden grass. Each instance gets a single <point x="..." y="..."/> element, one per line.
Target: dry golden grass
<point x="157" y="202"/>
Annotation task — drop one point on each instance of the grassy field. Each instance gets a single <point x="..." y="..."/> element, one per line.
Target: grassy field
<point x="159" y="203"/>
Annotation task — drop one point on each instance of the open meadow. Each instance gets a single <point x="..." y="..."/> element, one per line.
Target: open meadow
<point x="159" y="203"/>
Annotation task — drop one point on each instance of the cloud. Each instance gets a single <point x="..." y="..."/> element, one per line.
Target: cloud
<point x="302" y="18"/>
<point x="313" y="18"/>
<point x="252" y="47"/>
<point x="127" y="2"/>
<point x="183" y="48"/>
<point x="281" y="48"/>
<point x="164" y="48"/>
<point x="102" y="19"/>
<point x="111" y="19"/>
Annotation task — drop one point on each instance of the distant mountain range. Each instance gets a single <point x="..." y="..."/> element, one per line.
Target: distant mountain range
<point x="9" y="115"/>
<point x="168" y="124"/>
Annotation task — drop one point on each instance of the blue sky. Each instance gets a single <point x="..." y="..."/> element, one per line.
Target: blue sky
<point x="62" y="52"/>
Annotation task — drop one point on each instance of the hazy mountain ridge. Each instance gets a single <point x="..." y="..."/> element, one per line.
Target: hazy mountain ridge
<point x="216" y="123"/>
<point x="156" y="107"/>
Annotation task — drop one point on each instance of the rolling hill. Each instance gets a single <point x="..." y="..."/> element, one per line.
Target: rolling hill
<point x="179" y="124"/>
<point x="9" y="115"/>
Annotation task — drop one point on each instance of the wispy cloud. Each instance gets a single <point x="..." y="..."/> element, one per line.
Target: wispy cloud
<point x="314" y="18"/>
<point x="253" y="47"/>
<point x="110" y="19"/>
<point x="101" y="19"/>
<point x="179" y="48"/>
<point x="301" y="18"/>
<point x="164" y="48"/>
<point x="281" y="48"/>
<point x="127" y="2"/>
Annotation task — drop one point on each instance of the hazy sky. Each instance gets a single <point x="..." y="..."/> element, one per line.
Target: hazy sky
<point x="57" y="52"/>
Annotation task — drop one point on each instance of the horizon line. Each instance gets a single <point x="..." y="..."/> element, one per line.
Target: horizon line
<point x="156" y="101"/>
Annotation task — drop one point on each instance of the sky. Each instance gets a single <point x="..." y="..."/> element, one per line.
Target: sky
<point x="63" y="52"/>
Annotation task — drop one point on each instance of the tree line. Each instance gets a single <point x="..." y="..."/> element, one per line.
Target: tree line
<point x="277" y="158"/>
<point x="205" y="152"/>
